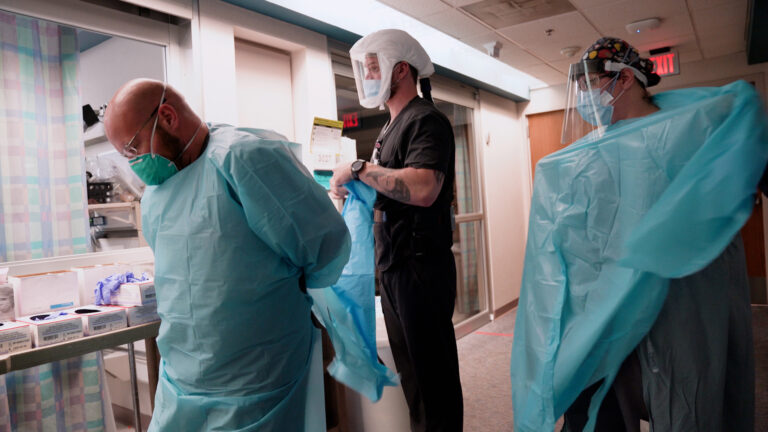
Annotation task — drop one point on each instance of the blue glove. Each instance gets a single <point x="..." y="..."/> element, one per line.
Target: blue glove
<point x="106" y="287"/>
<point x="46" y="317"/>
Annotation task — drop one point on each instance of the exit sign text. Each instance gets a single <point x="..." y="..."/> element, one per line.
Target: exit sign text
<point x="665" y="64"/>
<point x="350" y="120"/>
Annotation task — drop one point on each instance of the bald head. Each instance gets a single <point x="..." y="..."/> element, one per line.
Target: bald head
<point x="130" y="112"/>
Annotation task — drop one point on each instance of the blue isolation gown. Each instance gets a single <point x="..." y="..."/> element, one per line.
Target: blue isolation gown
<point x="232" y="233"/>
<point x="346" y="309"/>
<point x="613" y="220"/>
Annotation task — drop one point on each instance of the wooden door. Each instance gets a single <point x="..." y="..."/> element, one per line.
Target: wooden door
<point x="544" y="131"/>
<point x="754" y="249"/>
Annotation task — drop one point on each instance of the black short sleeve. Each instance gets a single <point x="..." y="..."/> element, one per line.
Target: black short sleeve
<point x="429" y="143"/>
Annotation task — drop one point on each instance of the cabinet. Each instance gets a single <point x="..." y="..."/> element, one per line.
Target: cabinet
<point x="116" y="225"/>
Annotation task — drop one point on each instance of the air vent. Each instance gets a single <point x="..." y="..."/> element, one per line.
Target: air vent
<point x="141" y="11"/>
<point x="505" y="13"/>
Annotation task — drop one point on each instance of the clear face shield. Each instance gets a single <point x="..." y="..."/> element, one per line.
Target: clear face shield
<point x="373" y="75"/>
<point x="589" y="102"/>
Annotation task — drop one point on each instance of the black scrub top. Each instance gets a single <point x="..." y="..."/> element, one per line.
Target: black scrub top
<point x="419" y="137"/>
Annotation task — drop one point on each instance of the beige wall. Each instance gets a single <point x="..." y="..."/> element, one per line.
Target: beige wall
<point x="311" y="77"/>
<point x="507" y="194"/>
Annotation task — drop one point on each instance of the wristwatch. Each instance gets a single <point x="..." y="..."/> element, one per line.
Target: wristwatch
<point x="356" y="167"/>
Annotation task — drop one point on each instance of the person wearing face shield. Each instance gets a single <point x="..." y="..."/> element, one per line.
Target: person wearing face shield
<point x="635" y="302"/>
<point x="412" y="169"/>
<point x="608" y="85"/>
<point x="239" y="231"/>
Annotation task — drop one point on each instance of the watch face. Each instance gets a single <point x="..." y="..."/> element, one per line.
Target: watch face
<point x="357" y="165"/>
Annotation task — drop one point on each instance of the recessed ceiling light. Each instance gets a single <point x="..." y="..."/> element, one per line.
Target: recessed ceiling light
<point x="570" y="51"/>
<point x="643" y="25"/>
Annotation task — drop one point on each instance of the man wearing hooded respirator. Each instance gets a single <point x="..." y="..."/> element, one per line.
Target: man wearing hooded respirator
<point x="412" y="169"/>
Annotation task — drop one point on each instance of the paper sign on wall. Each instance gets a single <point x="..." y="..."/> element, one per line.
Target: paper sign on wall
<point x="325" y="143"/>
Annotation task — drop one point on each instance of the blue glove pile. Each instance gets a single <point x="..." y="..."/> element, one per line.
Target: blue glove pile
<point x="106" y="287"/>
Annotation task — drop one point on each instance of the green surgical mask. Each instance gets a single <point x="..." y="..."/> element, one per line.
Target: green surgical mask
<point x="152" y="168"/>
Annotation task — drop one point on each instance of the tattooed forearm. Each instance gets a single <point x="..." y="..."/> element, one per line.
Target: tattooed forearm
<point x="391" y="186"/>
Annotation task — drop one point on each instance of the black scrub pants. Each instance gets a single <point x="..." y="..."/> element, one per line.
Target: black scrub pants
<point x="417" y="298"/>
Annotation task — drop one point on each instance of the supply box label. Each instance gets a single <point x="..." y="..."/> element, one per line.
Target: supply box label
<point x="14" y="337"/>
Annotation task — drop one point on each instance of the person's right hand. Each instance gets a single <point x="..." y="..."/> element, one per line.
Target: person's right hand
<point x="342" y="175"/>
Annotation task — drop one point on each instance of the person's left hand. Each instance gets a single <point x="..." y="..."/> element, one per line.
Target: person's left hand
<point x="342" y="175"/>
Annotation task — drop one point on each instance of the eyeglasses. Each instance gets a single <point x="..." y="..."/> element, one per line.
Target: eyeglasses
<point x="129" y="150"/>
<point x="589" y="82"/>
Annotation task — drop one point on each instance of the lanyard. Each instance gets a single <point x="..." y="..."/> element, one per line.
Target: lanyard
<point x="376" y="157"/>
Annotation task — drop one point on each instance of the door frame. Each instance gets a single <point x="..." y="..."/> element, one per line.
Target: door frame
<point x="460" y="94"/>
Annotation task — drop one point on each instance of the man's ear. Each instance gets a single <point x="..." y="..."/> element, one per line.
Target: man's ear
<point x="401" y="70"/>
<point x="168" y="117"/>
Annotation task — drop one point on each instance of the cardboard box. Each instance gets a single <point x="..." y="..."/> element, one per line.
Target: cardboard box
<point x="135" y="294"/>
<point x="44" y="292"/>
<point x="100" y="319"/>
<point x="89" y="276"/>
<point x="138" y="315"/>
<point x="14" y="336"/>
<point x="7" y="309"/>
<point x="55" y="330"/>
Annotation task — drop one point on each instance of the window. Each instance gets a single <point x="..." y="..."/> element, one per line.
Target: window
<point x="54" y="74"/>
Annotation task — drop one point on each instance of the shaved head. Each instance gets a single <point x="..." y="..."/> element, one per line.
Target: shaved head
<point x="130" y="107"/>
<point x="131" y="112"/>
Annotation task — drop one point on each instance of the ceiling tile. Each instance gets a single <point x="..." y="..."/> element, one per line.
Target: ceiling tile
<point x="672" y="42"/>
<point x="721" y="43"/>
<point x="505" y="13"/>
<point x="517" y="57"/>
<point x="551" y="51"/>
<point x="617" y="15"/>
<point x="570" y="29"/>
<point x="732" y="14"/>
<point x="510" y="53"/>
<point x="417" y="9"/>
<point x="673" y="27"/>
<point x="565" y="65"/>
<point x="547" y="74"/>
<point x="586" y="4"/>
<point x="565" y="28"/>
<point x="477" y="41"/>
<point x="460" y="3"/>
<point x="703" y="4"/>
<point x="689" y="52"/>
<point x="455" y="24"/>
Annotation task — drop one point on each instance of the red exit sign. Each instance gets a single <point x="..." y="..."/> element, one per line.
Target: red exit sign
<point x="350" y="120"/>
<point x="665" y="64"/>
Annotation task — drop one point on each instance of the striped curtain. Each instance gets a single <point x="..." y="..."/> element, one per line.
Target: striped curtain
<point x="43" y="208"/>
<point x="43" y="211"/>
<point x="64" y="396"/>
